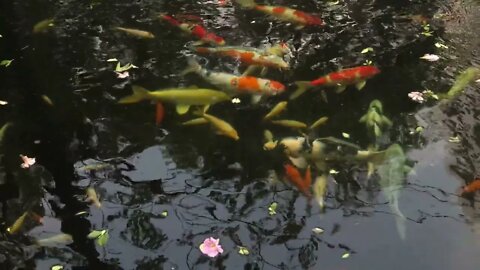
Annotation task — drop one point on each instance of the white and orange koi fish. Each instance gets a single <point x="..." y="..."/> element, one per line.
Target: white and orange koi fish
<point x="236" y="84"/>
<point x="297" y="17"/>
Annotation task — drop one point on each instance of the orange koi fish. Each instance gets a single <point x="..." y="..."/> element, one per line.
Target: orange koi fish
<point x="294" y="176"/>
<point x="159" y="113"/>
<point x="247" y="56"/>
<point x="300" y="18"/>
<point x="341" y="79"/>
<point x="236" y="84"/>
<point x="472" y="187"/>
<point x="195" y="30"/>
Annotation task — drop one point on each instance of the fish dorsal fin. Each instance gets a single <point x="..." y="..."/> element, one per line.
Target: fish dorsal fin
<point x="182" y="108"/>
<point x="360" y="85"/>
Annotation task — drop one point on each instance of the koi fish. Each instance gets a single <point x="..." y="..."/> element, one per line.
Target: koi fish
<point x="319" y="122"/>
<point x="17" y="224"/>
<point x="62" y="238"/>
<point x="293" y="146"/>
<point x="248" y="56"/>
<point x="222" y="127"/>
<point x="235" y="84"/>
<point x="182" y="97"/>
<point x="294" y="176"/>
<point x="300" y="18"/>
<point x="374" y="119"/>
<point x="472" y="187"/>
<point x="136" y="32"/>
<point x="319" y="190"/>
<point x="290" y="123"/>
<point x="196" y="121"/>
<point x="195" y="30"/>
<point x="276" y="110"/>
<point x="341" y="79"/>
<point x="92" y="197"/>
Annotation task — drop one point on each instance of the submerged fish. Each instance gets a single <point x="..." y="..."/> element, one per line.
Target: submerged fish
<point x="43" y="26"/>
<point x="300" y="18"/>
<point x="374" y="119"/>
<point x="276" y="110"/>
<point x="222" y="127"/>
<point x="471" y="187"/>
<point x="236" y="84"/>
<point x="93" y="197"/>
<point x="182" y="97"/>
<point x="341" y="79"/>
<point x="248" y="56"/>
<point x="136" y="32"/>
<point x="195" y="30"/>
<point x="290" y="124"/>
<point x="461" y="81"/>
<point x="302" y="183"/>
<point x="17" y="224"/>
<point x="321" y="121"/>
<point x="62" y="238"/>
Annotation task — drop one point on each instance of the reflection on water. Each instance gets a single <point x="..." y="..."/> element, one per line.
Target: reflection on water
<point x="164" y="190"/>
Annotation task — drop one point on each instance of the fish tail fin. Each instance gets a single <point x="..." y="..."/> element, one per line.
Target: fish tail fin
<point x="193" y="67"/>
<point x="139" y="94"/>
<point x="302" y="87"/>
<point x="246" y="3"/>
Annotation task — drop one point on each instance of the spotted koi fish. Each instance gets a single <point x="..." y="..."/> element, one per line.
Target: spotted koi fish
<point x="341" y="79"/>
<point x="300" y="18"/>
<point x="471" y="187"/>
<point x="246" y="56"/>
<point x="195" y="30"/>
<point x="236" y="84"/>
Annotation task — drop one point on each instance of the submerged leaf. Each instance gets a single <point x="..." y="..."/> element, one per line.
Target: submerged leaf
<point x="345" y="255"/>
<point x="272" y="209"/>
<point x="6" y="62"/>
<point x="103" y="238"/>
<point x="94" y="234"/>
<point x="318" y="230"/>
<point x="243" y="251"/>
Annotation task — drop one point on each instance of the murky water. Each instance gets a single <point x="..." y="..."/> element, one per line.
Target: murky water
<point x="165" y="189"/>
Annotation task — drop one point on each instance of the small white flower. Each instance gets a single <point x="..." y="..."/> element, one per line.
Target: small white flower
<point x="122" y="75"/>
<point x="236" y="100"/>
<point x="27" y="162"/>
<point x="416" y="96"/>
<point x="430" y="57"/>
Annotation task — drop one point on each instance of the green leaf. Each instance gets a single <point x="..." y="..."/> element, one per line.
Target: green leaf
<point x="164" y="214"/>
<point x="6" y="62"/>
<point x="366" y="50"/>
<point x="332" y="171"/>
<point x="57" y="267"/>
<point x="94" y="234"/>
<point x="103" y="238"/>
<point x="243" y="251"/>
<point x="318" y="230"/>
<point x="345" y="255"/>
<point x="441" y="46"/>
<point x="345" y="135"/>
<point x="455" y="139"/>
<point x="272" y="209"/>
<point x="120" y="68"/>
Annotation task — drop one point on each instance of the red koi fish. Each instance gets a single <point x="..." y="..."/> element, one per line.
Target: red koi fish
<point x="294" y="176"/>
<point x="246" y="56"/>
<point x="195" y="30"/>
<point x="340" y="79"/>
<point x="300" y="18"/>
<point x="472" y="187"/>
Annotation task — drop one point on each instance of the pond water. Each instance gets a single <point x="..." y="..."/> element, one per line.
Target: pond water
<point x="164" y="189"/>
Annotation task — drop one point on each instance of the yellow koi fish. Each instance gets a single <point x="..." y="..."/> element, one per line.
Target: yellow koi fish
<point x="136" y="32"/>
<point x="290" y="124"/>
<point x="222" y="127"/>
<point x="279" y="108"/>
<point x="62" y="238"/>
<point x="182" y="97"/>
<point x="17" y="224"/>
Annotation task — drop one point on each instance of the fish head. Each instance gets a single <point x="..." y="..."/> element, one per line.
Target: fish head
<point x="369" y="71"/>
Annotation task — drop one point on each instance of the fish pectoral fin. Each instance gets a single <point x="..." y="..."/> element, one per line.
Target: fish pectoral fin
<point x="198" y="43"/>
<point x="376" y="130"/>
<point x="302" y="87"/>
<point x="340" y="88"/>
<point x="264" y="71"/>
<point x="182" y="109"/>
<point x="360" y="85"/>
<point x="256" y="98"/>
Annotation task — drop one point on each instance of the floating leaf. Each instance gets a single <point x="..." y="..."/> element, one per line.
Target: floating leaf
<point x="366" y="50"/>
<point x="6" y="62"/>
<point x="419" y="129"/>
<point x="345" y="255"/>
<point x="57" y="267"/>
<point x="243" y="251"/>
<point x="3" y="102"/>
<point x="81" y="213"/>
<point x="318" y="230"/>
<point x="430" y="57"/>
<point x="272" y="209"/>
<point x="236" y="100"/>
<point x="333" y="171"/>
<point x="94" y="234"/>
<point x="112" y="60"/>
<point x="103" y="238"/>
<point x="164" y="214"/>
<point x="120" y="68"/>
<point x="345" y="135"/>
<point x="455" y="139"/>
<point x="440" y="45"/>
<point x="367" y="63"/>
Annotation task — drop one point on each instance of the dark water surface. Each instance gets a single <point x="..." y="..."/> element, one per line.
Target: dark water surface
<point x="165" y="189"/>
